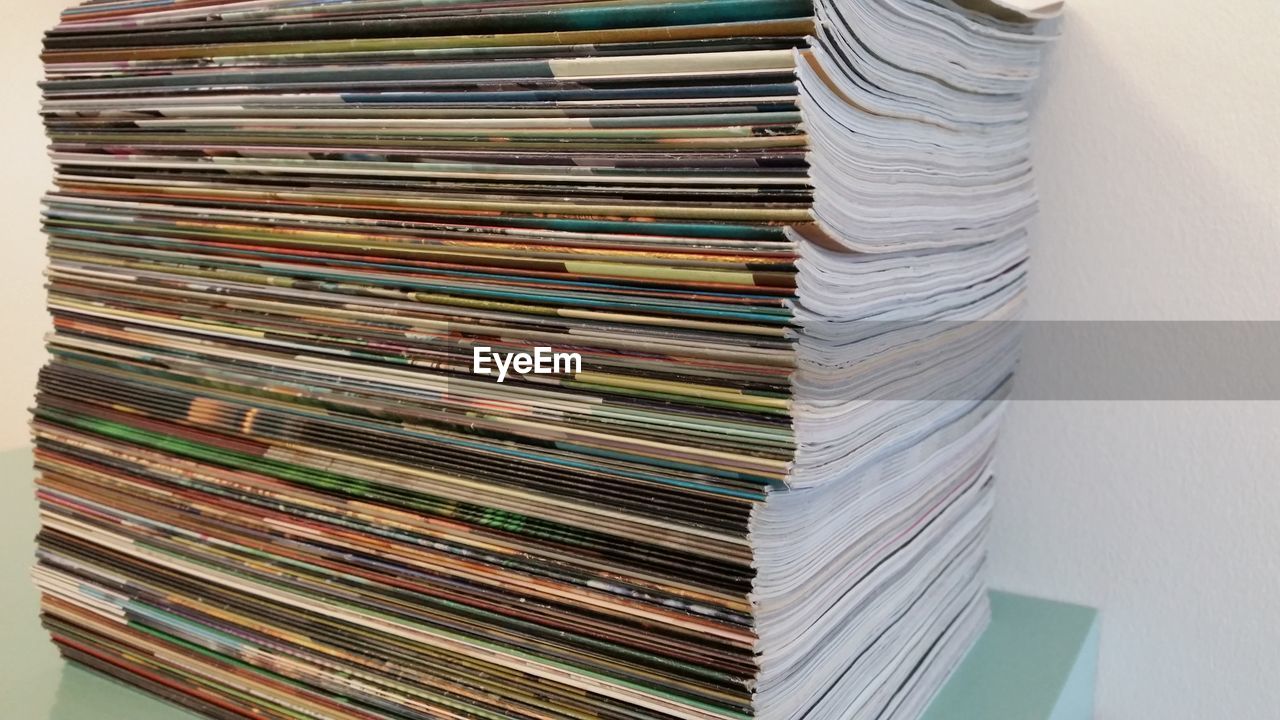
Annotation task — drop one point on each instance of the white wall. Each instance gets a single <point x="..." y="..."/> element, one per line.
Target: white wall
<point x="24" y="175"/>
<point x="1159" y="159"/>
<point x="1159" y="143"/>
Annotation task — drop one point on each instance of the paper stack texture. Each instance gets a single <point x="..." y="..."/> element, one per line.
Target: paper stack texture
<point x="769" y="246"/>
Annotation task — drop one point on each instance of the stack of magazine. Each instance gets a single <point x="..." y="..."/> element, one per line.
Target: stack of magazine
<point x="538" y="359"/>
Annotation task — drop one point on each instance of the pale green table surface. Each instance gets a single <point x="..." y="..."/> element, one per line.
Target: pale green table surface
<point x="1036" y="662"/>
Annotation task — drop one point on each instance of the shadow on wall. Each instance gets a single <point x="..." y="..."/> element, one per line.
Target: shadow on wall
<point x="1159" y="192"/>
<point x="1158" y="209"/>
